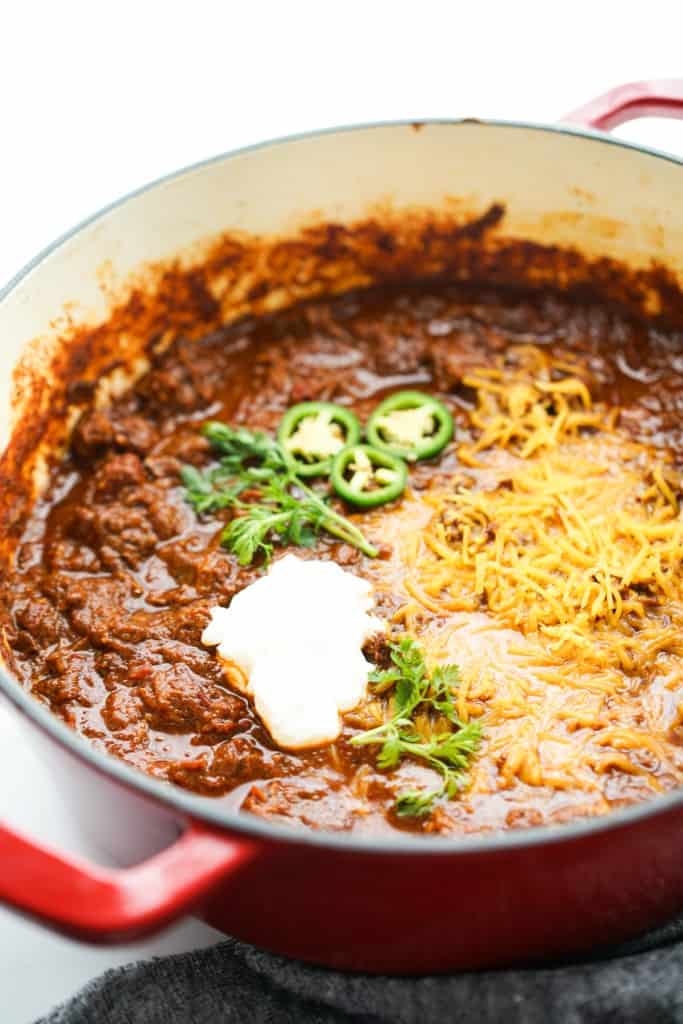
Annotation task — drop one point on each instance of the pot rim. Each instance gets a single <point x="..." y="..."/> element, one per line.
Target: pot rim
<point x="207" y="809"/>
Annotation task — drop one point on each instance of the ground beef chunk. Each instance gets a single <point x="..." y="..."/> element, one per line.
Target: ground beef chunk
<point x="345" y="554"/>
<point x="217" y="574"/>
<point x="116" y="473"/>
<point x="163" y="467"/>
<point x="96" y="431"/>
<point x="172" y="596"/>
<point x="71" y="677"/>
<point x="230" y="763"/>
<point x="134" y="433"/>
<point x="377" y="650"/>
<point x="123" y="716"/>
<point x="211" y="570"/>
<point x="201" y="660"/>
<point x="315" y="388"/>
<point x="191" y="773"/>
<point x="58" y="689"/>
<point x="388" y="602"/>
<point x="105" y="618"/>
<point x="121" y="537"/>
<point x="129" y="666"/>
<point x="523" y="817"/>
<point x="183" y="379"/>
<point x="122" y="708"/>
<point x="457" y="354"/>
<point x="70" y="593"/>
<point x="180" y="558"/>
<point x="113" y="667"/>
<point x="309" y="801"/>
<point x="92" y="434"/>
<point x="191" y="448"/>
<point x="175" y="699"/>
<point x="70" y="555"/>
<point x="41" y="620"/>
<point x="394" y="352"/>
<point x="243" y="758"/>
<point x="185" y="624"/>
<point x="233" y="761"/>
<point x="124" y="536"/>
<point x="166" y="518"/>
<point x="91" y="604"/>
<point x="125" y="518"/>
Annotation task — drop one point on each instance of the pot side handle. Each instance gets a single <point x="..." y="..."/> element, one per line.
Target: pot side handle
<point x="116" y="905"/>
<point x="659" y="98"/>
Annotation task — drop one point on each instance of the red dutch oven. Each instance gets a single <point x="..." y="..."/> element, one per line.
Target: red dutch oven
<point x="401" y="904"/>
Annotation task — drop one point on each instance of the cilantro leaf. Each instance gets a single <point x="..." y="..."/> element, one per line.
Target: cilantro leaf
<point x="281" y="508"/>
<point x="415" y="803"/>
<point x="450" y="744"/>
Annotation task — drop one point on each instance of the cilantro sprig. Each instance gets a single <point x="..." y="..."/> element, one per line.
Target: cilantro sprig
<point x="450" y="744"/>
<point x="257" y="478"/>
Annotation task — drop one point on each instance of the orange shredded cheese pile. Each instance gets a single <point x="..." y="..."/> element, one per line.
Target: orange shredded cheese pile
<point x="537" y="403"/>
<point x="573" y="548"/>
<point x="550" y="571"/>
<point x="579" y="539"/>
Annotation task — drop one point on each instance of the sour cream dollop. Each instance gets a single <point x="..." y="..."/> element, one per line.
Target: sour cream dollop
<point x="297" y="635"/>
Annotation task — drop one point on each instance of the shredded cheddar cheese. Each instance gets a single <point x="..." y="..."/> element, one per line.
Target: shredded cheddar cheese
<point x="579" y="540"/>
<point x="549" y="569"/>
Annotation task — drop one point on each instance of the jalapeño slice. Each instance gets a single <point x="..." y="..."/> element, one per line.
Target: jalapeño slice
<point x="411" y="425"/>
<point x="367" y="477"/>
<point x="313" y="432"/>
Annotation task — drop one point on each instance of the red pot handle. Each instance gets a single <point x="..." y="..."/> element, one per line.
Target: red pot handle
<point x="660" y="98"/>
<point x="111" y="905"/>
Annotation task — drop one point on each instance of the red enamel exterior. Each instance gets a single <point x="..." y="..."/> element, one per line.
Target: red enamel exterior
<point x="107" y="905"/>
<point x="660" y="98"/>
<point x="415" y="914"/>
<point x="430" y="906"/>
<point x="375" y="912"/>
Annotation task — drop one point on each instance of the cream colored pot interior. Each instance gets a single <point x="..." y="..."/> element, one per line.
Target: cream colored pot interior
<point x="562" y="189"/>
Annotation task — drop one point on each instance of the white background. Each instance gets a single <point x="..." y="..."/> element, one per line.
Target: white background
<point x="96" y="99"/>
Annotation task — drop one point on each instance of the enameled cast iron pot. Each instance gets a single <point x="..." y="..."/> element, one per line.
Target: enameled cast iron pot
<point x="402" y="904"/>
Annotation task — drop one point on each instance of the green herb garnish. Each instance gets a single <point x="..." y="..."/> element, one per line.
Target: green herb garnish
<point x="258" y="478"/>
<point x="449" y="744"/>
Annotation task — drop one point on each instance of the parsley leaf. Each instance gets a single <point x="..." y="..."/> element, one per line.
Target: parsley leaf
<point x="450" y="745"/>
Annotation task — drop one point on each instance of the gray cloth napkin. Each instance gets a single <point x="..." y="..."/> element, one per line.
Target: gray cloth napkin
<point x="641" y="982"/>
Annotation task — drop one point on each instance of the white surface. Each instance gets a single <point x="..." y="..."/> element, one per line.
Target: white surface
<point x="98" y="99"/>
<point x="37" y="968"/>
